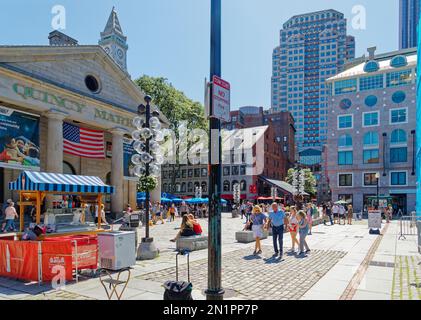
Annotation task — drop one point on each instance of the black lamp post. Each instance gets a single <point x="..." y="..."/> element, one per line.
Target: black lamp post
<point x="145" y="137"/>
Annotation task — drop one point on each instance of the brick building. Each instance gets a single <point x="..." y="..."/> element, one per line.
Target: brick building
<point x="250" y="156"/>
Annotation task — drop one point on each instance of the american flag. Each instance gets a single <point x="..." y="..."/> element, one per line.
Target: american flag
<point x="83" y="142"/>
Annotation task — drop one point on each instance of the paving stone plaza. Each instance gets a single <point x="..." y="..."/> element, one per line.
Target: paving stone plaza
<point x="345" y="263"/>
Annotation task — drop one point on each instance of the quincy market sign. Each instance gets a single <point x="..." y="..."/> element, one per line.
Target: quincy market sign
<point x="45" y="97"/>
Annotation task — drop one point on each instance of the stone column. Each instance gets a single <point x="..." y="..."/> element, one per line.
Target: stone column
<point x="117" y="171"/>
<point x="55" y="141"/>
<point x="156" y="193"/>
<point x="133" y="194"/>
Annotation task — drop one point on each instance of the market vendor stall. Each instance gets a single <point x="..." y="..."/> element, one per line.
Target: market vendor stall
<point x="71" y="242"/>
<point x="69" y="214"/>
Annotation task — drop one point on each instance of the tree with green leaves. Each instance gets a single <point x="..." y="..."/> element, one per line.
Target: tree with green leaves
<point x="310" y="181"/>
<point x="177" y="108"/>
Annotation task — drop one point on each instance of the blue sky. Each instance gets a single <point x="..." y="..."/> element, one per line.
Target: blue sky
<point x="170" y="38"/>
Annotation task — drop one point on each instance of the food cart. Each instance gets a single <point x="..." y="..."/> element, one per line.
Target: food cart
<point x="70" y="240"/>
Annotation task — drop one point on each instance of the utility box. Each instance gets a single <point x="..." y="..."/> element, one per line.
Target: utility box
<point x="117" y="249"/>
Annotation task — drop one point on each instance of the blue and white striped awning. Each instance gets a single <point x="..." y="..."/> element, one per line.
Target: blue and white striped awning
<point x="50" y="182"/>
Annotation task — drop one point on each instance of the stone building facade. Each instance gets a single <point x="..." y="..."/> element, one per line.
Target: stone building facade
<point x="372" y="122"/>
<point x="77" y="84"/>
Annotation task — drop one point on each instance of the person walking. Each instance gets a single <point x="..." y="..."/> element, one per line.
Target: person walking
<point x="309" y="213"/>
<point x="335" y="211"/>
<point x="327" y="211"/>
<point x="172" y="212"/>
<point x="342" y="214"/>
<point x="184" y="209"/>
<point x="258" y="220"/>
<point x="350" y="214"/>
<point x="11" y="214"/>
<point x="303" y="230"/>
<point x="293" y="227"/>
<point x="243" y="210"/>
<point x="249" y="210"/>
<point x="276" y="220"/>
<point x="389" y="213"/>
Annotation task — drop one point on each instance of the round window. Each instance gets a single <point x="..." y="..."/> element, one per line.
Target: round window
<point x="92" y="83"/>
<point x="371" y="66"/>
<point x="399" y="97"/>
<point x="371" y="101"/>
<point x="345" y="104"/>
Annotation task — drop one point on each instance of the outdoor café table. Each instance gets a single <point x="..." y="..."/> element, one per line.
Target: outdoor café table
<point x="106" y="278"/>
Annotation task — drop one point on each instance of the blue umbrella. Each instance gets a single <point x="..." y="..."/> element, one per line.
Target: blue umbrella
<point x="197" y="201"/>
<point x="202" y="200"/>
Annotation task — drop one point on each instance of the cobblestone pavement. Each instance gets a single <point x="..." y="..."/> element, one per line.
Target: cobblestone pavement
<point x="58" y="295"/>
<point x="407" y="278"/>
<point x="261" y="278"/>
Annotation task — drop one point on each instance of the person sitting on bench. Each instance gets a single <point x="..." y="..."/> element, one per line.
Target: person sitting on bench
<point x="196" y="225"/>
<point x="186" y="230"/>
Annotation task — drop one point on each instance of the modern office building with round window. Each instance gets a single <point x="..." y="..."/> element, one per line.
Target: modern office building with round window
<point x="372" y="131"/>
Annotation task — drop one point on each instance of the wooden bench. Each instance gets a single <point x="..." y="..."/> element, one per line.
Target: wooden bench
<point x="193" y="243"/>
<point x="247" y="236"/>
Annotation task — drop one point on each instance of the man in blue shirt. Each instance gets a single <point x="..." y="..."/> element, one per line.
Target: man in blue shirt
<point x="276" y="219"/>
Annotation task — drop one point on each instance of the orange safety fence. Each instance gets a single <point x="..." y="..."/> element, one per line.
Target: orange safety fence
<point x="84" y="250"/>
<point x="19" y="260"/>
<point x="57" y="253"/>
<point x="36" y="261"/>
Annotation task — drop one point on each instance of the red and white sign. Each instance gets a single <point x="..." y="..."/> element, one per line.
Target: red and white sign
<point x="221" y="99"/>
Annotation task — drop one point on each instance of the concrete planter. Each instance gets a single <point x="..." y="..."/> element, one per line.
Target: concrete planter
<point x="247" y="236"/>
<point x="192" y="243"/>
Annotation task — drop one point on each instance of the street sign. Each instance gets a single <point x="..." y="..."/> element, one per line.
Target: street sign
<point x="374" y="219"/>
<point x="221" y="99"/>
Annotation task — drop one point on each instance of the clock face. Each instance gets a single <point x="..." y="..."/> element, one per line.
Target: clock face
<point x="345" y="104"/>
<point x="120" y="53"/>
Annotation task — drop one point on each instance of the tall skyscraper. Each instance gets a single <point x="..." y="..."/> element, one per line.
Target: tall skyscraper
<point x="114" y="41"/>
<point x="409" y="15"/>
<point x="313" y="47"/>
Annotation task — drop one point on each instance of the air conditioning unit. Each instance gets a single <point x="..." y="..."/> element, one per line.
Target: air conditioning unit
<point x="117" y="249"/>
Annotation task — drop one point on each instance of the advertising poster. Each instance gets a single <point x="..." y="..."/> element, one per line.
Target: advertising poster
<point x="374" y="219"/>
<point x="19" y="140"/>
<point x="128" y="153"/>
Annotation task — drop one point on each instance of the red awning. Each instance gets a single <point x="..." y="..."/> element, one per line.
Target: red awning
<point x="231" y="196"/>
<point x="268" y="198"/>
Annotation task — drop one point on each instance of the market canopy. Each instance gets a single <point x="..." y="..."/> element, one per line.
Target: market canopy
<point x="55" y="182"/>
<point x="286" y="187"/>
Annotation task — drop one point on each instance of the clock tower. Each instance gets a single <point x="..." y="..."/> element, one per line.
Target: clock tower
<point x="114" y="41"/>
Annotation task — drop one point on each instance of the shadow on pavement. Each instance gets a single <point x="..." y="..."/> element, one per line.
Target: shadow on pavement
<point x="252" y="257"/>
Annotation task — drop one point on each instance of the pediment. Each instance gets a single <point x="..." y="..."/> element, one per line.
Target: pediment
<point x="67" y="68"/>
